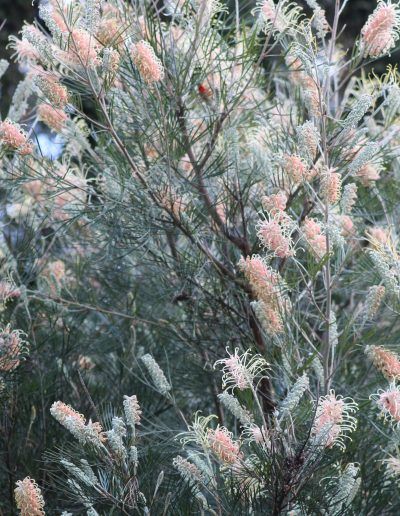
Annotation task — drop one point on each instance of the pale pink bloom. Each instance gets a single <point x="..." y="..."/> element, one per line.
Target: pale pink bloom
<point x="34" y="188"/>
<point x="111" y="32"/>
<point x="275" y="202"/>
<point x="85" y="362"/>
<point x="386" y="361"/>
<point x="83" y="49"/>
<point x="295" y="168"/>
<point x="53" y="117"/>
<point x="296" y="68"/>
<point x="56" y="93"/>
<point x="315" y="237"/>
<point x="275" y="236"/>
<point x="258" y="434"/>
<point x="65" y="415"/>
<point x="378" y="235"/>
<point x="10" y="348"/>
<point x="346" y="224"/>
<point x="241" y="370"/>
<point x="76" y="424"/>
<point x="393" y="466"/>
<point x="380" y="33"/>
<point x="268" y="288"/>
<point x="237" y="371"/>
<point x="14" y="137"/>
<point x="368" y="174"/>
<point x="28" y="498"/>
<point x="389" y="403"/>
<point x="311" y="95"/>
<point x="55" y="274"/>
<point x="331" y="184"/>
<point x="264" y="281"/>
<point x="23" y="50"/>
<point x="60" y="20"/>
<point x="271" y="315"/>
<point x="221" y="443"/>
<point x="186" y="164"/>
<point x="273" y="16"/>
<point x="332" y="418"/>
<point x="56" y="270"/>
<point x="146" y="61"/>
<point x="8" y="291"/>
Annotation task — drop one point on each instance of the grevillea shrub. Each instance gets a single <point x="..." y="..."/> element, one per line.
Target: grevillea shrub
<point x="200" y="289"/>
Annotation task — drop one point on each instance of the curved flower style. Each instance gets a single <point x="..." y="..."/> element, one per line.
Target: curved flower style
<point x="13" y="137"/>
<point x="146" y="61"/>
<point x="389" y="402"/>
<point x="386" y="361"/>
<point x="380" y="33"/>
<point x="223" y="446"/>
<point x="241" y="370"/>
<point x="76" y="424"/>
<point x="333" y="419"/>
<point x="28" y="498"/>
<point x="274" y="233"/>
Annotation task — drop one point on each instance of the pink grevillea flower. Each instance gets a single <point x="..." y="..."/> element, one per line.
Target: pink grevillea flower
<point x="275" y="203"/>
<point x="8" y="291"/>
<point x="221" y="443"/>
<point x="268" y="288"/>
<point x="311" y="95"/>
<point x="346" y="225"/>
<point x="265" y="282"/>
<point x="378" y="236"/>
<point x="380" y="33"/>
<point x="274" y="234"/>
<point x="28" y="498"/>
<point x="315" y="237"/>
<point x="296" y="68"/>
<point x="111" y="30"/>
<point x="331" y="185"/>
<point x="76" y="424"/>
<point x="393" y="466"/>
<point x="386" y="361"/>
<point x="13" y="137"/>
<point x="295" y="168"/>
<point x="276" y="17"/>
<point x="270" y="315"/>
<point x="368" y="174"/>
<point x="83" y="49"/>
<point x="23" y="50"/>
<point x="11" y="345"/>
<point x="55" y="271"/>
<point x="55" y="92"/>
<point x="333" y="418"/>
<point x="86" y="363"/>
<point x="146" y="61"/>
<point x="389" y="403"/>
<point x="258" y="434"/>
<point x="53" y="117"/>
<point x="271" y="15"/>
<point x="241" y="370"/>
